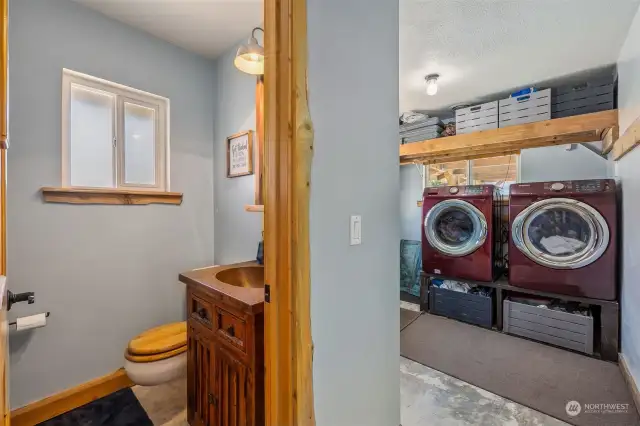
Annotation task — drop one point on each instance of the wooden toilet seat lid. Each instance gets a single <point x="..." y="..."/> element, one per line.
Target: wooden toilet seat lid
<point x="159" y="340"/>
<point x="156" y="357"/>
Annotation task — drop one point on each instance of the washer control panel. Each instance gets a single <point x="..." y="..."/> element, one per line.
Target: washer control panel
<point x="590" y="186"/>
<point x="474" y="190"/>
<point x="557" y="186"/>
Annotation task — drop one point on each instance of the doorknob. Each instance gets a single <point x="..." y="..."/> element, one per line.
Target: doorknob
<point x="29" y="297"/>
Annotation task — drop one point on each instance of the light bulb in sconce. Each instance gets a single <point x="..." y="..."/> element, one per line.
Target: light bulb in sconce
<point x="432" y="84"/>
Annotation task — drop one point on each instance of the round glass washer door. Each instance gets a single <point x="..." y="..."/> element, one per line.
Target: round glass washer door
<point x="455" y="228"/>
<point x="561" y="233"/>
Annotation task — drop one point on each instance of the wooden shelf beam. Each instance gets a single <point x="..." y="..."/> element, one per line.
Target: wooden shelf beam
<point x="509" y="140"/>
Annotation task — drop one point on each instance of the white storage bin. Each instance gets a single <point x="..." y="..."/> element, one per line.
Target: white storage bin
<point x="523" y="109"/>
<point x="477" y="117"/>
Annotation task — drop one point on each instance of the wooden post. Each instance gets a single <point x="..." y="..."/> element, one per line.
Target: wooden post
<point x="287" y="169"/>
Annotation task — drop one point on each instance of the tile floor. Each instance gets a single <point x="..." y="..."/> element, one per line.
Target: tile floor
<point x="166" y="405"/>
<point x="428" y="398"/>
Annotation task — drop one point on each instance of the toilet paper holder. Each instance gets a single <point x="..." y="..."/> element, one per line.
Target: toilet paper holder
<point x="16" y="323"/>
<point x="29" y="297"/>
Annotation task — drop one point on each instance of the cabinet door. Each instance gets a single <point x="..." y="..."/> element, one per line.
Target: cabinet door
<point x="200" y="398"/>
<point x="234" y="389"/>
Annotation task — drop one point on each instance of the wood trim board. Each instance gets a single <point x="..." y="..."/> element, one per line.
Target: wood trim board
<point x="633" y="386"/>
<point x="287" y="170"/>
<point x="109" y="196"/>
<point x="629" y="140"/>
<point x="259" y="148"/>
<point x="60" y="403"/>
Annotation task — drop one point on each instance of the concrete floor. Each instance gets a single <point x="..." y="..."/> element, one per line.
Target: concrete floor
<point x="428" y="398"/>
<point x="431" y="398"/>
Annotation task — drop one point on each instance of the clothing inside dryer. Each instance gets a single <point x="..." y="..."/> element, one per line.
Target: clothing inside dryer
<point x="454" y="227"/>
<point x="559" y="232"/>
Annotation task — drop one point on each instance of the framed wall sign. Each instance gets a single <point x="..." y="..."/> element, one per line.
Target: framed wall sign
<point x="240" y="154"/>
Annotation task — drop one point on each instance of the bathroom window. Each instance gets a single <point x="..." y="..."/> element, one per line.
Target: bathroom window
<point x="113" y="136"/>
<point x="501" y="171"/>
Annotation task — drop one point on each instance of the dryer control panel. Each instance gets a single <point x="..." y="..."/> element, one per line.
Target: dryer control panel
<point x="564" y="187"/>
<point x="591" y="186"/>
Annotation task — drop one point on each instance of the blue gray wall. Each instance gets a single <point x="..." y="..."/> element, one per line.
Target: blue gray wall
<point x="106" y="273"/>
<point x="355" y="171"/>
<point x="556" y="163"/>
<point x="237" y="231"/>
<point x="410" y="194"/>
<point x="628" y="170"/>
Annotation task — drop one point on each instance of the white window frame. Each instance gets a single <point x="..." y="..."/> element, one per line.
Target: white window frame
<point x="121" y="94"/>
<point x="426" y="180"/>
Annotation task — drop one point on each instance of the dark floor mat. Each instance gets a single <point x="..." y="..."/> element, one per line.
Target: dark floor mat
<point x="118" y="409"/>
<point x="408" y="297"/>
<point x="535" y="375"/>
<point x="407" y="317"/>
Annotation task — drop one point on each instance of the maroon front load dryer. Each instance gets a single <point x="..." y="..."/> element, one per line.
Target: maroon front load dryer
<point x="563" y="237"/>
<point x="457" y="232"/>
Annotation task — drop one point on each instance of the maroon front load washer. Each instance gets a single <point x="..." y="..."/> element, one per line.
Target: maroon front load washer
<point x="457" y="232"/>
<point x="563" y="237"/>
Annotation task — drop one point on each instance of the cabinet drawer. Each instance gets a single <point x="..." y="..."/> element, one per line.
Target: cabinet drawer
<point x="231" y="328"/>
<point x="201" y="310"/>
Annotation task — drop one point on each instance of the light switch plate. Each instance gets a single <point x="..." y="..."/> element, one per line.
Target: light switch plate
<point x="355" y="230"/>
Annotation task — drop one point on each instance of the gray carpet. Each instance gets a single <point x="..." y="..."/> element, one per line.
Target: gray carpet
<point x="535" y="375"/>
<point x="407" y="317"/>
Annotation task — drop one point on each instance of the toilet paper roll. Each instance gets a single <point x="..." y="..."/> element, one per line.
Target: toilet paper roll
<point x="33" y="321"/>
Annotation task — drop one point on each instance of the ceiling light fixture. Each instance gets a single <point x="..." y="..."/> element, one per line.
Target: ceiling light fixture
<point x="250" y="56"/>
<point x="432" y="84"/>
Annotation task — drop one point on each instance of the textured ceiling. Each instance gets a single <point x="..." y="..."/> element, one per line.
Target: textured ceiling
<point x="206" y="27"/>
<point x="484" y="47"/>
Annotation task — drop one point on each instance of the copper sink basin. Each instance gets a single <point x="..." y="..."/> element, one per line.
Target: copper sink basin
<point x="243" y="276"/>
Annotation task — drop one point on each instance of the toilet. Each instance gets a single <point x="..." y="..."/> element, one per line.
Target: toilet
<point x="158" y="355"/>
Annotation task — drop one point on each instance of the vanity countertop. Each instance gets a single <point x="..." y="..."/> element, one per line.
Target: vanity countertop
<point x="205" y="279"/>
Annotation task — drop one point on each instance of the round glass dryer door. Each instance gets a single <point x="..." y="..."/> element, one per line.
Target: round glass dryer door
<point x="455" y="228"/>
<point x="561" y="233"/>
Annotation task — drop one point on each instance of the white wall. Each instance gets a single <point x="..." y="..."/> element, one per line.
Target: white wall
<point x="106" y="273"/>
<point x="353" y="94"/>
<point x="628" y="170"/>
<point x="556" y="163"/>
<point x="237" y="231"/>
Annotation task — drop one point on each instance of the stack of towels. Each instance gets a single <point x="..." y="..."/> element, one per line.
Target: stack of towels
<point x="416" y="127"/>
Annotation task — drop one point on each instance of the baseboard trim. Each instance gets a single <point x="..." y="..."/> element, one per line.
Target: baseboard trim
<point x="60" y="403"/>
<point x="633" y="386"/>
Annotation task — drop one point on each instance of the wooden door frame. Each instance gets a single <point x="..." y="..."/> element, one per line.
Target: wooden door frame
<point x="287" y="171"/>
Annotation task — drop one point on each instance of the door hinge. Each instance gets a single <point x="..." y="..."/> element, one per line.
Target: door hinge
<point x="213" y="400"/>
<point x="267" y="293"/>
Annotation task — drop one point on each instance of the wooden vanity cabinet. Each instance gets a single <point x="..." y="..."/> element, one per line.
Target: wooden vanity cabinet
<point x="225" y="369"/>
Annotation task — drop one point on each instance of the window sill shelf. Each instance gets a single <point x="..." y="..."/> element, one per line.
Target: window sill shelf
<point x="254" y="208"/>
<point x="109" y="196"/>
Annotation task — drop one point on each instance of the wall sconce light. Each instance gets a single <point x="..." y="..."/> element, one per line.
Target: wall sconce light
<point x="250" y="56"/>
<point x="432" y="84"/>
